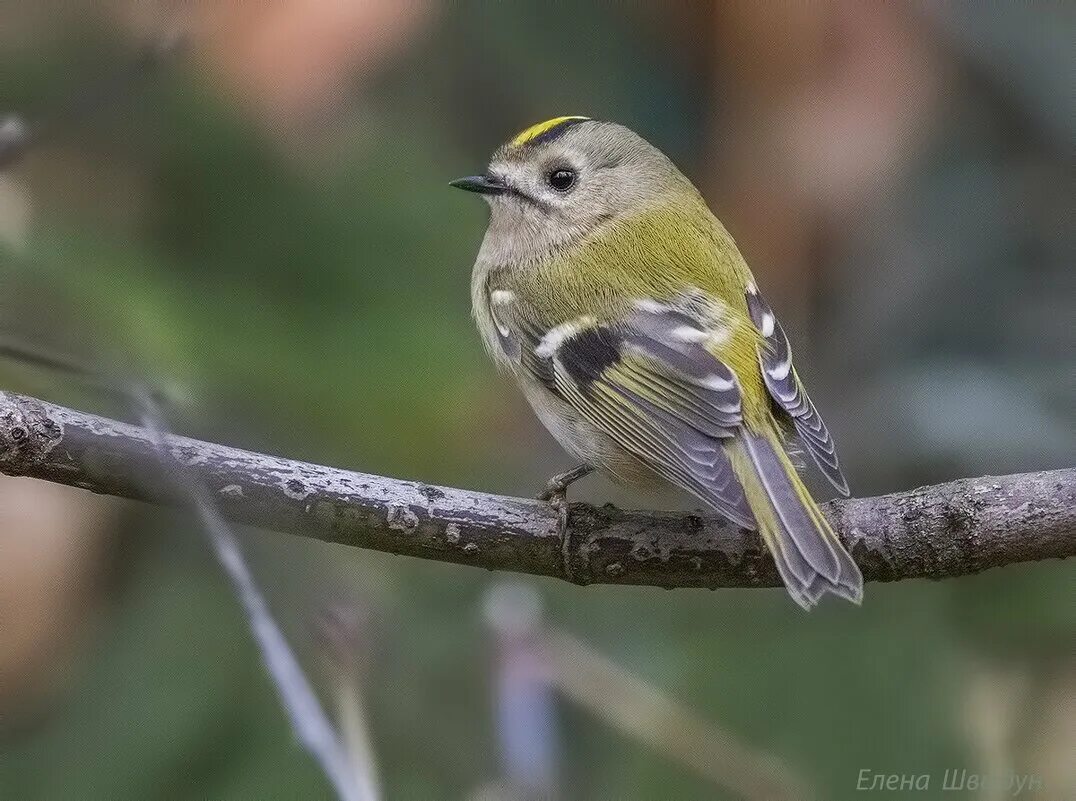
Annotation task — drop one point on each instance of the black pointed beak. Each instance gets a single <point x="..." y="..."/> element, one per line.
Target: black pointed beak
<point x="482" y="184"/>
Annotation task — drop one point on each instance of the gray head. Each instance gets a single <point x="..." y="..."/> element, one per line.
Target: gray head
<point x="561" y="179"/>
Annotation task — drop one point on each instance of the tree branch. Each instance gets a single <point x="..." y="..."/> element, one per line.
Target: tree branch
<point x="937" y="532"/>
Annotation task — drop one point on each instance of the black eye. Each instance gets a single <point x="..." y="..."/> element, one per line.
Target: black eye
<point x="561" y="179"/>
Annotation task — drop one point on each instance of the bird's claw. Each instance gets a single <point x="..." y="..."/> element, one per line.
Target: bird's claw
<point x="555" y="494"/>
<point x="555" y="491"/>
<point x="557" y="486"/>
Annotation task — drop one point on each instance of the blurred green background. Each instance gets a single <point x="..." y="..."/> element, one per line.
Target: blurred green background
<point x="264" y="227"/>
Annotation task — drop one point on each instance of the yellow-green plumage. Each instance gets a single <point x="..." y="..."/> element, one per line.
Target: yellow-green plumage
<point x="655" y="254"/>
<point x="632" y="323"/>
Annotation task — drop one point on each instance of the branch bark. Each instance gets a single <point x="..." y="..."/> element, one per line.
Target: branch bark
<point x="937" y="532"/>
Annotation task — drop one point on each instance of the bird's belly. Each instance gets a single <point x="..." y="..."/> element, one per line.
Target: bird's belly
<point x="584" y="441"/>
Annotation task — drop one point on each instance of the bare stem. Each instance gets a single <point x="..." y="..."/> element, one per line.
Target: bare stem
<point x="300" y="702"/>
<point x="644" y="712"/>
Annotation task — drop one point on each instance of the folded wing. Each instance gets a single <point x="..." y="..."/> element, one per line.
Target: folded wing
<point x="786" y="389"/>
<point x="648" y="381"/>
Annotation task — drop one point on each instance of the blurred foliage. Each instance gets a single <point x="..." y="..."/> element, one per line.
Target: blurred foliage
<point x="173" y="702"/>
<point x="312" y="299"/>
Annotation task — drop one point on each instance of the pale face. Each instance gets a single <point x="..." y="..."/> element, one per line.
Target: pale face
<point x="555" y="189"/>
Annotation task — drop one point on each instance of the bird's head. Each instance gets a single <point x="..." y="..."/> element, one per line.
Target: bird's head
<point x="561" y="179"/>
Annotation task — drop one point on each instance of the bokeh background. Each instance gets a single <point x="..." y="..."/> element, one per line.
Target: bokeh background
<point x="263" y="226"/>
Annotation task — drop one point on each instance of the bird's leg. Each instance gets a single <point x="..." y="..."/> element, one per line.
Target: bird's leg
<point x="555" y="493"/>
<point x="557" y="486"/>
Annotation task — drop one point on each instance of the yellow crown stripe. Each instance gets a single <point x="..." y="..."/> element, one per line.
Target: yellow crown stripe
<point x="537" y="130"/>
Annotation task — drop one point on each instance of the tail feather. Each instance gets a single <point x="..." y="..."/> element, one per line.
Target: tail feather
<point x="808" y="554"/>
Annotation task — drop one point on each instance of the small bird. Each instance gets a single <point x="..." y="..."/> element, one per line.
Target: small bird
<point x="625" y="311"/>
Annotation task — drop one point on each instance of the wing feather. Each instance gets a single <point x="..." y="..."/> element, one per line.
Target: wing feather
<point x="786" y="389"/>
<point x="665" y="399"/>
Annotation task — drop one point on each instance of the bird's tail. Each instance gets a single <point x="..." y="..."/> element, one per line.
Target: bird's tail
<point x="809" y="557"/>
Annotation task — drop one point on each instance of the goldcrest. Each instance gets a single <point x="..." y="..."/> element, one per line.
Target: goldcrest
<point x="606" y="287"/>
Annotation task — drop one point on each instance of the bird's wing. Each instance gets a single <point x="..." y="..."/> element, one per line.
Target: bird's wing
<point x="648" y="381"/>
<point x="786" y="389"/>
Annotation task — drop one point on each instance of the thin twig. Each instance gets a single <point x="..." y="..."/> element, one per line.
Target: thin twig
<point x="304" y="710"/>
<point x="344" y="640"/>
<point x="644" y="712"/>
<point x="531" y="652"/>
<point x="42" y="357"/>
<point x="308" y="719"/>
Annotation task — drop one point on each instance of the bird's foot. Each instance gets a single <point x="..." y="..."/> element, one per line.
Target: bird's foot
<point x="555" y="493"/>
<point x="556" y="488"/>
